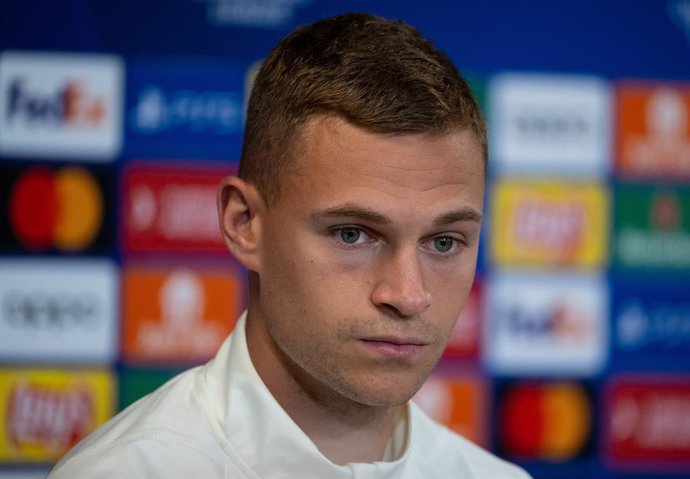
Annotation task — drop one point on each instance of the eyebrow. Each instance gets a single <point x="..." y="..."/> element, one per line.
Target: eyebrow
<point x="353" y="211"/>
<point x="369" y="215"/>
<point x="463" y="214"/>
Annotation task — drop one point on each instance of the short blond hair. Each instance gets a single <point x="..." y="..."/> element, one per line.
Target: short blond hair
<point x="380" y="75"/>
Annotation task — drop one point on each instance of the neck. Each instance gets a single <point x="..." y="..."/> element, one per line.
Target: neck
<point x="344" y="430"/>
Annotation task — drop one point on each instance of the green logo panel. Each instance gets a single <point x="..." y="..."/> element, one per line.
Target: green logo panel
<point x="136" y="383"/>
<point x="652" y="227"/>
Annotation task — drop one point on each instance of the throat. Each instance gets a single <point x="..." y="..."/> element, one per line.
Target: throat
<point x="344" y="430"/>
<point x="370" y="438"/>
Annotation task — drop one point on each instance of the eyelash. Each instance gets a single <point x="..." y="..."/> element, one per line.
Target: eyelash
<point x="458" y="243"/>
<point x="336" y="232"/>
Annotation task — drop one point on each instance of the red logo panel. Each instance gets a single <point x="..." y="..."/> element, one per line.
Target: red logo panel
<point x="648" y="422"/>
<point x="172" y="209"/>
<point x="464" y="340"/>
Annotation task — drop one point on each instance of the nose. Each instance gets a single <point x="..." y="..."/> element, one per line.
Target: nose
<point x="400" y="285"/>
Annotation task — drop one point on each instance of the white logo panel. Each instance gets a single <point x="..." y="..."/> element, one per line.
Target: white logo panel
<point x="59" y="105"/>
<point x="546" y="324"/>
<point x="549" y="124"/>
<point x="58" y="310"/>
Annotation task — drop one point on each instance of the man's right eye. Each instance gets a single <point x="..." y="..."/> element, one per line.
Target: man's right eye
<point x="350" y="235"/>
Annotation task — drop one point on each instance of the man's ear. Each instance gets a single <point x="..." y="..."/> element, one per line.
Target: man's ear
<point x="240" y="206"/>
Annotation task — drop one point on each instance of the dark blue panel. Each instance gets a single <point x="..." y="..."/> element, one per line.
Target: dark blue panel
<point x="184" y="108"/>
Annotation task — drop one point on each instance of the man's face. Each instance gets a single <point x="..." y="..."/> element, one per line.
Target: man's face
<point x="368" y="256"/>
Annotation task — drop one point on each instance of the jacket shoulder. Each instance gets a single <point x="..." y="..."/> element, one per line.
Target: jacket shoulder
<point x="140" y="457"/>
<point x="448" y="452"/>
<point x="160" y="435"/>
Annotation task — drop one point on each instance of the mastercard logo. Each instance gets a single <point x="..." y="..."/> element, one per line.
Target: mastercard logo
<point x="545" y="421"/>
<point x="61" y="208"/>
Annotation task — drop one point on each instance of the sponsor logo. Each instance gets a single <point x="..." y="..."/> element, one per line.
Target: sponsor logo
<point x="458" y="403"/>
<point x="661" y="325"/>
<point x="136" y="383"/>
<point x="547" y="421"/>
<point x="653" y="134"/>
<point x="32" y="473"/>
<point x="652" y="227"/>
<point x="549" y="224"/>
<point x="58" y="310"/>
<point x="464" y="340"/>
<point x="546" y="324"/>
<point x="55" y="105"/>
<point x="48" y="208"/>
<point x="647" y="422"/>
<point x="46" y="412"/>
<point x="651" y="316"/>
<point x="163" y="306"/>
<point x="265" y="14"/>
<point x="184" y="110"/>
<point x="172" y="209"/>
<point x="550" y="124"/>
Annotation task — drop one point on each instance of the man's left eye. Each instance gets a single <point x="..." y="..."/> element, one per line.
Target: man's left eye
<point x="350" y="235"/>
<point x="444" y="244"/>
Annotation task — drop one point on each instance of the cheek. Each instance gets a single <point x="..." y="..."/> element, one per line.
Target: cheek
<point x="294" y="281"/>
<point x="450" y="294"/>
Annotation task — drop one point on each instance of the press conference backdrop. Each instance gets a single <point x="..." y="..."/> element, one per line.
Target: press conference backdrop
<point x="117" y="120"/>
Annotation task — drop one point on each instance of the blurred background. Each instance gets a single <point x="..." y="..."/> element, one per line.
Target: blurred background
<point x="117" y="120"/>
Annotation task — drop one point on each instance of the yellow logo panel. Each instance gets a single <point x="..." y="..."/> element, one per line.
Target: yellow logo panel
<point x="549" y="224"/>
<point x="46" y="412"/>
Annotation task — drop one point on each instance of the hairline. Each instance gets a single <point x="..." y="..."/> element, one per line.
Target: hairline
<point x="298" y="136"/>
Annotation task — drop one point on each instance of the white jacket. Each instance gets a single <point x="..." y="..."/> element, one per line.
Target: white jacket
<point x="220" y="421"/>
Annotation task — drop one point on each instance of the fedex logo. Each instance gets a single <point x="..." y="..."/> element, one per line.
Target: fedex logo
<point x="545" y="324"/>
<point x="58" y="105"/>
<point x="71" y="104"/>
<point x="560" y="322"/>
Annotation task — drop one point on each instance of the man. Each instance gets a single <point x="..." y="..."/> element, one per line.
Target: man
<point x="357" y="213"/>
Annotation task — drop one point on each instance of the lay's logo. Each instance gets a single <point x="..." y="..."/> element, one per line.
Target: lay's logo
<point x="60" y="105"/>
<point x="45" y="413"/>
<point x="34" y="408"/>
<point x="549" y="224"/>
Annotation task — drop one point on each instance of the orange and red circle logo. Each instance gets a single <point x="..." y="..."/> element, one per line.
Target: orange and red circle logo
<point x="549" y="421"/>
<point x="61" y="208"/>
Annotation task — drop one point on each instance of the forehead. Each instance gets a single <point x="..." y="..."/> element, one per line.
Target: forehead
<point x="408" y="178"/>
<point x="329" y="146"/>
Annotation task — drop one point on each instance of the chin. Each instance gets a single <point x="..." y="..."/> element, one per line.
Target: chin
<point x="385" y="395"/>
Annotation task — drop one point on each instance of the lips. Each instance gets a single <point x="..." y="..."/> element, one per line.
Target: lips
<point x="397" y="340"/>
<point x="394" y="347"/>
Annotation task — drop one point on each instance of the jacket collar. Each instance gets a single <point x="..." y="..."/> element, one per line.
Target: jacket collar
<point x="258" y="435"/>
